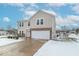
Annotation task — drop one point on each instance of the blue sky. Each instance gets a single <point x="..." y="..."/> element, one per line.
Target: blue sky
<point x="66" y="14"/>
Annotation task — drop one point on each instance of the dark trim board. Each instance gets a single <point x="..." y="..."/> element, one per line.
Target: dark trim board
<point x="40" y="29"/>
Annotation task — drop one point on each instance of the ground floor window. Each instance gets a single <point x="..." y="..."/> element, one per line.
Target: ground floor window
<point x="21" y="33"/>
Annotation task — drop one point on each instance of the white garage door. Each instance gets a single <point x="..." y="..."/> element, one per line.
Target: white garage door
<point x="41" y="34"/>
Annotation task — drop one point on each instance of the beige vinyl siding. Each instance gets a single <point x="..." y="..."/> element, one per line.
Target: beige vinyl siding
<point x="24" y="27"/>
<point x="47" y="19"/>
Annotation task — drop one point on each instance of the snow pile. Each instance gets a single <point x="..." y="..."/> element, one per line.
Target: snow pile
<point x="58" y="48"/>
<point x="78" y="36"/>
<point x="3" y="36"/>
<point x="73" y="36"/>
<point x="6" y="41"/>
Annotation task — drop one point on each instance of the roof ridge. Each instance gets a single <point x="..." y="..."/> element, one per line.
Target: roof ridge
<point x="49" y="12"/>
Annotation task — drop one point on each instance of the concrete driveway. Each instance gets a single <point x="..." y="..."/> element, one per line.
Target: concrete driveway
<point x="24" y="48"/>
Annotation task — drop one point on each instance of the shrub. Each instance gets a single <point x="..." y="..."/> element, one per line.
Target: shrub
<point x="14" y="37"/>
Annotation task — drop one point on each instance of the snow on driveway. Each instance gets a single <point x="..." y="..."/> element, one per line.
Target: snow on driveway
<point x="6" y="41"/>
<point x="58" y="48"/>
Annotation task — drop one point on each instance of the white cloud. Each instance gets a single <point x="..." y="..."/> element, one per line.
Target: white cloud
<point x="16" y="4"/>
<point x="29" y="11"/>
<point x="30" y="7"/>
<point x="28" y="14"/>
<point x="68" y="20"/>
<point x="34" y="5"/>
<point x="50" y="11"/>
<point x="56" y="4"/>
<point x="75" y="8"/>
<point x="59" y="20"/>
<point x="73" y="18"/>
<point x="6" y="19"/>
<point x="58" y="28"/>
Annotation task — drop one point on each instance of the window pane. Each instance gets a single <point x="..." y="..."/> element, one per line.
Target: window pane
<point x="20" y="32"/>
<point x="20" y="24"/>
<point x="38" y="22"/>
<point x="28" y="23"/>
<point x="41" y="21"/>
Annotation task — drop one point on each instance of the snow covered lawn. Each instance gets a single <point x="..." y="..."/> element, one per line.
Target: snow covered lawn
<point x="74" y="36"/>
<point x="6" y="41"/>
<point x="58" y="48"/>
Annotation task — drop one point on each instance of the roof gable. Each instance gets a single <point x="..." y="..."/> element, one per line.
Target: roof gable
<point x="44" y="11"/>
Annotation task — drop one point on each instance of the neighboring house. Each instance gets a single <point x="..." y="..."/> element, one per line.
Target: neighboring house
<point x="3" y="32"/>
<point x="12" y="32"/>
<point x="65" y="33"/>
<point x="62" y="34"/>
<point x="8" y="32"/>
<point x="40" y="26"/>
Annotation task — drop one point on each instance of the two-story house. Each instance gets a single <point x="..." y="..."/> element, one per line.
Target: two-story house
<point x="41" y="25"/>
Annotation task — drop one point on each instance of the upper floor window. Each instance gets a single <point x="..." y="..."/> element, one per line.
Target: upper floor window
<point x="28" y="23"/>
<point x="41" y="21"/>
<point x="38" y="22"/>
<point x="21" y="24"/>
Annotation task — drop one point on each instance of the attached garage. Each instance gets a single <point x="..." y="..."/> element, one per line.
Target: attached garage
<point x="41" y="34"/>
